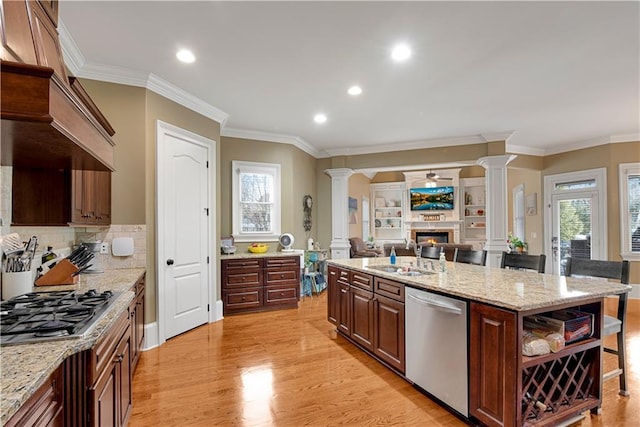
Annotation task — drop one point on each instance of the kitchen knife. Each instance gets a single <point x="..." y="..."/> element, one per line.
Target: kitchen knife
<point x="77" y="253"/>
<point x="81" y="270"/>
<point x="84" y="260"/>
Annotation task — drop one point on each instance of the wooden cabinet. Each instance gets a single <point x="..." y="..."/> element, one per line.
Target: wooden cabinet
<point x="369" y="312"/>
<point x="90" y="197"/>
<point x="110" y="371"/>
<point x="492" y="364"/>
<point x="44" y="407"/>
<point x="388" y="327"/>
<point x="72" y="197"/>
<point x="136" y="317"/>
<point x="260" y="283"/>
<point x="509" y="389"/>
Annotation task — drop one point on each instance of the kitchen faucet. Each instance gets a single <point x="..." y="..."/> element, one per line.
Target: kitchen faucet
<point x="418" y="251"/>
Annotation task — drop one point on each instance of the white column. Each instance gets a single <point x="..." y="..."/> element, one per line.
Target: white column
<point x="339" y="212"/>
<point x="496" y="203"/>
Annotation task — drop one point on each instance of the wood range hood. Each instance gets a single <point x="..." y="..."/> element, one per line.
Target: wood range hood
<point x="49" y="123"/>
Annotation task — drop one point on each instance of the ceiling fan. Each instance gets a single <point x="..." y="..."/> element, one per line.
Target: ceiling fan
<point x="434" y="177"/>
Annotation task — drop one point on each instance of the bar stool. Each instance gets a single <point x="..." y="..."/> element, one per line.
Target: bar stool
<point x="612" y="325"/>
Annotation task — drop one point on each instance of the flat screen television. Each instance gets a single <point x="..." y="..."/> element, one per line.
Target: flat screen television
<point x="431" y="198"/>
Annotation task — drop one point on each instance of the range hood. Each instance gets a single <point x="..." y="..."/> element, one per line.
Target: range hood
<point x="48" y="123"/>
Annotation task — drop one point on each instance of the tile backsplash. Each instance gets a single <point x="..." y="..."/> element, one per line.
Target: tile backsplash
<point x="62" y="239"/>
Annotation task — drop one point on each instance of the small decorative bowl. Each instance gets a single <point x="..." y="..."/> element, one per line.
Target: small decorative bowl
<point x="228" y="250"/>
<point x="258" y="249"/>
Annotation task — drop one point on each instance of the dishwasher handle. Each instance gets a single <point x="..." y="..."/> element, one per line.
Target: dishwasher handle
<point x="440" y="305"/>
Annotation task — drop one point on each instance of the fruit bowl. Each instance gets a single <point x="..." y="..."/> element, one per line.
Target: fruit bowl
<point x="258" y="249"/>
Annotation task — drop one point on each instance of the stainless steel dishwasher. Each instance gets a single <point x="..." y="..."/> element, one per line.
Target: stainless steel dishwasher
<point x="436" y="346"/>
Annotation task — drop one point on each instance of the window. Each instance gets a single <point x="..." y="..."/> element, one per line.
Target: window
<point x="630" y="211"/>
<point x="256" y="201"/>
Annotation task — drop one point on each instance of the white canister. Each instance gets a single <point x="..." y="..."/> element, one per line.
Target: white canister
<point x="14" y="284"/>
<point x="310" y="244"/>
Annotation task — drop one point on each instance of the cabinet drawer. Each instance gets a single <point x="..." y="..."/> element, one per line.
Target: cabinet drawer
<point x="282" y="277"/>
<point x="241" y="264"/>
<point x="243" y="299"/>
<point x="286" y="262"/>
<point x="281" y="295"/>
<point x="362" y="280"/>
<point x="242" y="280"/>
<point x="389" y="288"/>
<point x="102" y="355"/>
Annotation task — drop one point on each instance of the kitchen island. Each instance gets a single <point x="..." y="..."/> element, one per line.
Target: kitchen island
<point x="366" y="302"/>
<point x="24" y="368"/>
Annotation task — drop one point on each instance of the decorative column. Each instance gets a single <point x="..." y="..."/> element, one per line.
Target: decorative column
<point x="339" y="212"/>
<point x="496" y="203"/>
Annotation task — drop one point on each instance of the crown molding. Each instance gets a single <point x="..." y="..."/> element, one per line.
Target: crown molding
<point x="521" y="149"/>
<point x="403" y="146"/>
<point x="593" y="142"/>
<point x="272" y="137"/>
<point x="73" y="57"/>
<point x="498" y="136"/>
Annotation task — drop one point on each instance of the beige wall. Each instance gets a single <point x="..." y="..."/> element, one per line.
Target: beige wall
<point x="532" y="181"/>
<point x="358" y="187"/>
<point x="604" y="156"/>
<point x="124" y="106"/>
<point x="298" y="177"/>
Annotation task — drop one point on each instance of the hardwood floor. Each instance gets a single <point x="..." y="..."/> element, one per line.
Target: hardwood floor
<point x="288" y="368"/>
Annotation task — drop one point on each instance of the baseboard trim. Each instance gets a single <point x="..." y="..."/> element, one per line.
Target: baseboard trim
<point x="150" y="336"/>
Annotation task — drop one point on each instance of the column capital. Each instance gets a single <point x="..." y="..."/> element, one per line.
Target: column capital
<point x="339" y="172"/>
<point x="502" y="160"/>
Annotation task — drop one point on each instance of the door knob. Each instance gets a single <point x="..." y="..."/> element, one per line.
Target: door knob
<point x="169" y="261"/>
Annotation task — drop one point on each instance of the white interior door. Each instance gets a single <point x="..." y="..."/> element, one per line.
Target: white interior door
<point x="183" y="231"/>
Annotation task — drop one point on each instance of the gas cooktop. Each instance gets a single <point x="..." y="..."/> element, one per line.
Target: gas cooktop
<point x="55" y="315"/>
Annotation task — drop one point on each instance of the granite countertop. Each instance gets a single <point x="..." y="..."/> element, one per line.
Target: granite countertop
<point x="247" y="254"/>
<point x="25" y="367"/>
<point x="511" y="289"/>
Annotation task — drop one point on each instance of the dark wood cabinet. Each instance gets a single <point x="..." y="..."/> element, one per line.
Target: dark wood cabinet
<point x="370" y="312"/>
<point x="110" y="371"/>
<point x="17" y="41"/>
<point x="492" y="364"/>
<point x="361" y="309"/>
<point x="509" y="389"/>
<point x="44" y="407"/>
<point x="90" y="197"/>
<point x="70" y="197"/>
<point x="136" y="310"/>
<point x="336" y="276"/>
<point x="260" y="283"/>
<point x="389" y="338"/>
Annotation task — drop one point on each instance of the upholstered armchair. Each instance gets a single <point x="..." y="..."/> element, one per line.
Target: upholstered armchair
<point x="359" y="249"/>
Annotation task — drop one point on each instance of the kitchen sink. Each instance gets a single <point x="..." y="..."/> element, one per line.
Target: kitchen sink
<point x="411" y="271"/>
<point x="386" y="268"/>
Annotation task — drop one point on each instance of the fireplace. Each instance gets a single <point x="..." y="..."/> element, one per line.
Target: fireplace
<point x="432" y="236"/>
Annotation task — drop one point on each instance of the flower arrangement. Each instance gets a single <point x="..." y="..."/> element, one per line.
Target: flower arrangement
<point x="515" y="243"/>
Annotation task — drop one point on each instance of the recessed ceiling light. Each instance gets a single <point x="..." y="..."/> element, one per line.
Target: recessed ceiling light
<point x="401" y="52"/>
<point x="320" y="118"/>
<point x="354" y="90"/>
<point x="185" y="56"/>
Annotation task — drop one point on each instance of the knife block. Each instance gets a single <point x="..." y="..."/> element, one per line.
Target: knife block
<point x="60" y="274"/>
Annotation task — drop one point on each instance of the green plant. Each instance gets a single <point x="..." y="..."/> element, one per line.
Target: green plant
<point x="515" y="241"/>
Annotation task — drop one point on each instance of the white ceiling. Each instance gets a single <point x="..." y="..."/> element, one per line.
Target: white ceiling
<point x="550" y="75"/>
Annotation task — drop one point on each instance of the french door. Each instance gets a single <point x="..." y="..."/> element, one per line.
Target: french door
<point x="575" y="221"/>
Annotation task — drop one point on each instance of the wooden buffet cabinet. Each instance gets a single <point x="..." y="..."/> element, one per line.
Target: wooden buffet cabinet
<point x="93" y="387"/>
<point x="505" y="387"/>
<point x="260" y="283"/>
